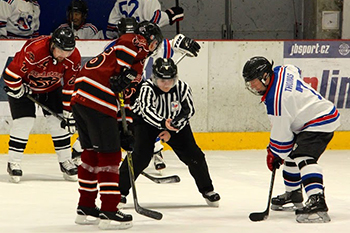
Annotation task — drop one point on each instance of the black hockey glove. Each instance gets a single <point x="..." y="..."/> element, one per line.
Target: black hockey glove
<point x="119" y="83"/>
<point x="18" y="93"/>
<point x="127" y="141"/>
<point x="186" y="44"/>
<point x="175" y="14"/>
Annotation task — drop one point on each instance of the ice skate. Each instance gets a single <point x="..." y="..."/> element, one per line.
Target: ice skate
<point x="87" y="215"/>
<point x="114" y="220"/>
<point x="315" y="210"/>
<point x="69" y="170"/>
<point x="289" y="201"/>
<point x="15" y="172"/>
<point x="76" y="157"/>
<point x="212" y="198"/>
<point x="122" y="202"/>
<point x="159" y="163"/>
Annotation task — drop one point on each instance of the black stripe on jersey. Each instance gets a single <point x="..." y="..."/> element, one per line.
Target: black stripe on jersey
<point x="96" y="92"/>
<point x="125" y="56"/>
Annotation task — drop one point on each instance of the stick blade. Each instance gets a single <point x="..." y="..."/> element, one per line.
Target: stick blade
<point x="256" y="217"/>
<point x="149" y="213"/>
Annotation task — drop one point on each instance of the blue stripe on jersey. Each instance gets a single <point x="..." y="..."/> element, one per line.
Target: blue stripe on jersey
<point x="156" y="17"/>
<point x="168" y="51"/>
<point x="274" y="96"/>
<point x="323" y="120"/>
<point x="281" y="147"/>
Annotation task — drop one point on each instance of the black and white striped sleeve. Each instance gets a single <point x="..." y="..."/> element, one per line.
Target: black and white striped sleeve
<point x="187" y="106"/>
<point x="147" y="109"/>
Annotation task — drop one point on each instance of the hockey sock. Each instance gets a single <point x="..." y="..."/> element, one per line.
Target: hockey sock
<point x="87" y="177"/>
<point x="108" y="179"/>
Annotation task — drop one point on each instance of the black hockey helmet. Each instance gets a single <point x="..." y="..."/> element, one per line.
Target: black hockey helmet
<point x="127" y="25"/>
<point x="78" y="6"/>
<point x="151" y="32"/>
<point x="256" y="67"/>
<point x="63" y="38"/>
<point x="164" y="68"/>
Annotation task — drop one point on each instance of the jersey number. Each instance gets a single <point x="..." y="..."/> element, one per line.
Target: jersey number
<point x="135" y="6"/>
<point x="300" y="87"/>
<point x="97" y="61"/>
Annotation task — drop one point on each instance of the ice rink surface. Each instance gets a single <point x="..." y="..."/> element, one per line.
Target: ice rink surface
<point x="44" y="202"/>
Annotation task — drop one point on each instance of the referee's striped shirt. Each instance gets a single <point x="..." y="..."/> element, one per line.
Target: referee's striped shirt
<point x="155" y="106"/>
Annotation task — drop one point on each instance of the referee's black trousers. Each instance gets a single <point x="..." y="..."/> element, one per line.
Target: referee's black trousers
<point x="184" y="146"/>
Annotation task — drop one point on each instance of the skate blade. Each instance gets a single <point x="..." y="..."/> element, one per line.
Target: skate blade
<point x="15" y="179"/>
<point x="86" y="220"/>
<point x="288" y="208"/>
<point x="106" y="224"/>
<point x="212" y="203"/>
<point x="70" y="178"/>
<point x="319" y="217"/>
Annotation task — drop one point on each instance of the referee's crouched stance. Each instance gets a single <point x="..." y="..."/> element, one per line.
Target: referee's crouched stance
<point x="163" y="108"/>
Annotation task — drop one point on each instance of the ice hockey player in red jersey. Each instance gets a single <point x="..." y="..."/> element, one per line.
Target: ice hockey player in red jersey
<point x="95" y="108"/>
<point x="39" y="69"/>
<point x="302" y="125"/>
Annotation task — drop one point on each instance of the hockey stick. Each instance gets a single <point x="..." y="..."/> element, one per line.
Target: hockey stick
<point x="146" y="212"/>
<point x="55" y="114"/>
<point x="180" y="58"/>
<point x="163" y="180"/>
<point x="177" y="23"/>
<point x="263" y="215"/>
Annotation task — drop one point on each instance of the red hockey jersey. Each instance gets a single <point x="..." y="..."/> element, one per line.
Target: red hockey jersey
<point x="34" y="65"/>
<point x="92" y="87"/>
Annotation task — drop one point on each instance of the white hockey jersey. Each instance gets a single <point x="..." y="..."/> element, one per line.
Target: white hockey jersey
<point x="292" y="107"/>
<point x="19" y="19"/>
<point x="86" y="31"/>
<point x="142" y="10"/>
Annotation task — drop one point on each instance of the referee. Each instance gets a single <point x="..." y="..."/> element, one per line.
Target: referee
<point x="163" y="108"/>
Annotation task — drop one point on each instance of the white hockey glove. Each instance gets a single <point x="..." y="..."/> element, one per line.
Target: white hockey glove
<point x="69" y="124"/>
<point x="175" y="14"/>
<point x="186" y="45"/>
<point x="23" y="90"/>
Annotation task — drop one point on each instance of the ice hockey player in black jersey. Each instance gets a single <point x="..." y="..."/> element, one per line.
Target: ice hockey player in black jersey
<point x="163" y="109"/>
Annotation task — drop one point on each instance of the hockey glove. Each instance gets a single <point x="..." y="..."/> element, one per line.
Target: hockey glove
<point x="186" y="44"/>
<point x="175" y="14"/>
<point x="127" y="141"/>
<point x="69" y="123"/>
<point x="119" y="83"/>
<point x="23" y="90"/>
<point x="273" y="161"/>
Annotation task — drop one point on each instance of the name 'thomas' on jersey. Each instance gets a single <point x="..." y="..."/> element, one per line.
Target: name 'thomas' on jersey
<point x="34" y="65"/>
<point x="19" y="19"/>
<point x="293" y="107"/>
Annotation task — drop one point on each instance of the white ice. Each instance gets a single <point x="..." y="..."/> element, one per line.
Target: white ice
<point x="44" y="202"/>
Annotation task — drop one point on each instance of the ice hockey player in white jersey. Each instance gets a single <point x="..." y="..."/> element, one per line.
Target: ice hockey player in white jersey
<point x="77" y="13"/>
<point x="302" y="125"/>
<point x="141" y="10"/>
<point x="19" y="19"/>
